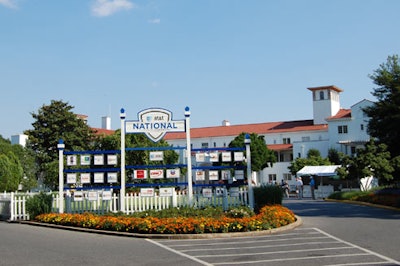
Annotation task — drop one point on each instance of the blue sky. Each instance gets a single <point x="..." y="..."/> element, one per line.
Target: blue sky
<point x="244" y="61"/>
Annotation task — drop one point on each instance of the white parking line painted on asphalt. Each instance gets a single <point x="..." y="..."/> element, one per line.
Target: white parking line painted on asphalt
<point x="246" y="242"/>
<point x="180" y="253"/>
<point x="266" y="253"/>
<point x="302" y="246"/>
<point x="289" y="259"/>
<point x="267" y="246"/>
<point x="361" y="263"/>
<point x="363" y="249"/>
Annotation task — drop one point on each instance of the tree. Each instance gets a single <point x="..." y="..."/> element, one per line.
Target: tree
<point x="385" y="113"/>
<point x="261" y="156"/>
<point x="52" y="123"/>
<point x="313" y="159"/>
<point x="373" y="160"/>
<point x="335" y="157"/>
<point x="137" y="157"/>
<point x="13" y="172"/>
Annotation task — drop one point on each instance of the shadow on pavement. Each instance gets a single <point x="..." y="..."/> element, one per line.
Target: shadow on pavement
<point x="315" y="208"/>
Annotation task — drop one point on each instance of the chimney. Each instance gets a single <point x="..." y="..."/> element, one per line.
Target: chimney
<point x="226" y="123"/>
<point x="106" y="122"/>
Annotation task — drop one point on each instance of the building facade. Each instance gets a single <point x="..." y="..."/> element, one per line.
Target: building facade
<point x="332" y="127"/>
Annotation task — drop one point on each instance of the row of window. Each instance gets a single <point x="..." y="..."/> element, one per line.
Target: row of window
<point x="342" y="129"/>
<point x="272" y="177"/>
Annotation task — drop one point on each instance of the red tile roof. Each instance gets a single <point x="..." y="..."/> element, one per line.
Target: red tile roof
<point x="261" y="128"/>
<point x="102" y="131"/>
<point x="343" y="113"/>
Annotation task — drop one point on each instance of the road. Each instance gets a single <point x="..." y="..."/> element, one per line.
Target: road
<point x="371" y="228"/>
<point x="331" y="234"/>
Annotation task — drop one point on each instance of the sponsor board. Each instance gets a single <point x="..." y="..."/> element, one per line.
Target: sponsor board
<point x="147" y="192"/>
<point x="173" y="173"/>
<point x="156" y="173"/>
<point x="155" y="123"/>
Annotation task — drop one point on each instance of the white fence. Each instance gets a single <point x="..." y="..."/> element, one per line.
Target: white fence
<point x="13" y="205"/>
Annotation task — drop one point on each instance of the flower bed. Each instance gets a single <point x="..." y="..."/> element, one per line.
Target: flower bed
<point x="269" y="217"/>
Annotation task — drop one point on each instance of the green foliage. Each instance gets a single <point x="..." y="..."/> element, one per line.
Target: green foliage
<point x="261" y="156"/>
<point x="335" y="157"/>
<point x="12" y="171"/>
<point x="267" y="195"/>
<point x="52" y="123"/>
<point x="385" y="113"/>
<point x="373" y="160"/>
<point x="239" y="212"/>
<point x="181" y="212"/>
<point x="137" y="157"/>
<point x="313" y="153"/>
<point x="381" y="196"/>
<point x="39" y="204"/>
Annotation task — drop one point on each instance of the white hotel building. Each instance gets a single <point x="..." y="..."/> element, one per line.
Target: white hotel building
<point x="331" y="127"/>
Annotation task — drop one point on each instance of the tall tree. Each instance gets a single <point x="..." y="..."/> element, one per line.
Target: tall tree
<point x="261" y="156"/>
<point x="52" y="123"/>
<point x="373" y="160"/>
<point x="385" y="113"/>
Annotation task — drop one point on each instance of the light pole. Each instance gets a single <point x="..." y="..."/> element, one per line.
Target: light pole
<point x="60" y="147"/>
<point x="122" y="190"/>
<point x="189" y="156"/>
<point x="247" y="142"/>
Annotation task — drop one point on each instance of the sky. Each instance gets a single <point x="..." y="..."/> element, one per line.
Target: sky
<point x="242" y="61"/>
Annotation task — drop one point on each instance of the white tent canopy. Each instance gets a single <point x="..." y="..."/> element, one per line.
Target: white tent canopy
<point x="321" y="170"/>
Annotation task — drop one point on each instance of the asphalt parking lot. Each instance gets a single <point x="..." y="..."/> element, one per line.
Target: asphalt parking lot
<point x="302" y="246"/>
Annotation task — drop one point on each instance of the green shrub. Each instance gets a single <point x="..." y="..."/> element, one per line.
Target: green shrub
<point x="267" y="195"/>
<point x="181" y="212"/>
<point x="239" y="212"/>
<point x="39" y="204"/>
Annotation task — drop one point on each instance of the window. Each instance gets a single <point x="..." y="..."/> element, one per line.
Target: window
<point x="286" y="140"/>
<point x="287" y="177"/>
<point x="353" y="150"/>
<point x="281" y="157"/>
<point x="342" y="130"/>
<point x="362" y="127"/>
<point x="215" y="144"/>
<point x="272" y="178"/>
<point x="321" y="95"/>
<point x="305" y="139"/>
<point x="204" y="145"/>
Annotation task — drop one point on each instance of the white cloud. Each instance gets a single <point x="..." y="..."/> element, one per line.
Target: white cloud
<point x="9" y="3"/>
<point x="104" y="8"/>
<point x="155" y="21"/>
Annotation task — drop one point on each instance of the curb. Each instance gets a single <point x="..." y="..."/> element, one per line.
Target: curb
<point x="288" y="227"/>
<point x="364" y="204"/>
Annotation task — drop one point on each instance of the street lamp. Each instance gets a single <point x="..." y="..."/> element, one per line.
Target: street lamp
<point x="247" y="142"/>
